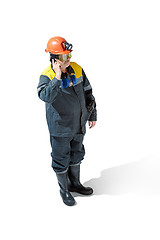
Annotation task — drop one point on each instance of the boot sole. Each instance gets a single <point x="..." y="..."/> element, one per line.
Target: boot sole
<point x="83" y="193"/>
<point x="71" y="203"/>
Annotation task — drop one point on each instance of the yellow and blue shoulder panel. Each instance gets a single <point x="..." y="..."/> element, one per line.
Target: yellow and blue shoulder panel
<point x="51" y="74"/>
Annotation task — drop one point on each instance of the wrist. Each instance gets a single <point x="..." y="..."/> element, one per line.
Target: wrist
<point x="58" y="76"/>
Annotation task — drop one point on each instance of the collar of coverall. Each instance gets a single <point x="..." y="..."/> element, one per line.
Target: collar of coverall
<point x="69" y="69"/>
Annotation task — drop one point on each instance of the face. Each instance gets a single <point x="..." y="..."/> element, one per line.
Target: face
<point x="63" y="64"/>
<point x="64" y="60"/>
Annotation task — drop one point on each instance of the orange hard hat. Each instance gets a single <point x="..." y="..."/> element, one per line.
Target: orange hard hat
<point x="58" y="45"/>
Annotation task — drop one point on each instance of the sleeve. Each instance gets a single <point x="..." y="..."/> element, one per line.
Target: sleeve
<point x="90" y="99"/>
<point x="47" y="89"/>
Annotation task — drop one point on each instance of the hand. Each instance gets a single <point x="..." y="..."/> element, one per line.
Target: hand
<point x="91" y="124"/>
<point x="57" y="68"/>
<point x="63" y="65"/>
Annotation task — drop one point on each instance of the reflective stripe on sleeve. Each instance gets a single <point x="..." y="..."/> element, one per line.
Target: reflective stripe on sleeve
<point x="87" y="88"/>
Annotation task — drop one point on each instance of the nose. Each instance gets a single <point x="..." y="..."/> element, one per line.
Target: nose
<point x="66" y="60"/>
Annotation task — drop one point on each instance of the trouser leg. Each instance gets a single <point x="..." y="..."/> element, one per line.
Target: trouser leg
<point x="60" y="163"/>
<point x="66" y="151"/>
<point x="77" y="155"/>
<point x="60" y="153"/>
<point x="77" y="149"/>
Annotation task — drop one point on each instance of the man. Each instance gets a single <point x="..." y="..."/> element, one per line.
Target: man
<point x="69" y="104"/>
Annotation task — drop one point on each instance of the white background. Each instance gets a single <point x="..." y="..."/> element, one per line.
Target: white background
<point x="117" y="44"/>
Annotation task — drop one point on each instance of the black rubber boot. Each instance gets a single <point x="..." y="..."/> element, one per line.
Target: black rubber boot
<point x="74" y="181"/>
<point x="65" y="194"/>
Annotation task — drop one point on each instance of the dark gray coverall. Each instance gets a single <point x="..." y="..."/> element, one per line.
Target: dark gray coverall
<point x="67" y="114"/>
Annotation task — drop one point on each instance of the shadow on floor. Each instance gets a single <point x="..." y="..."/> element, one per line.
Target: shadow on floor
<point x="140" y="177"/>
